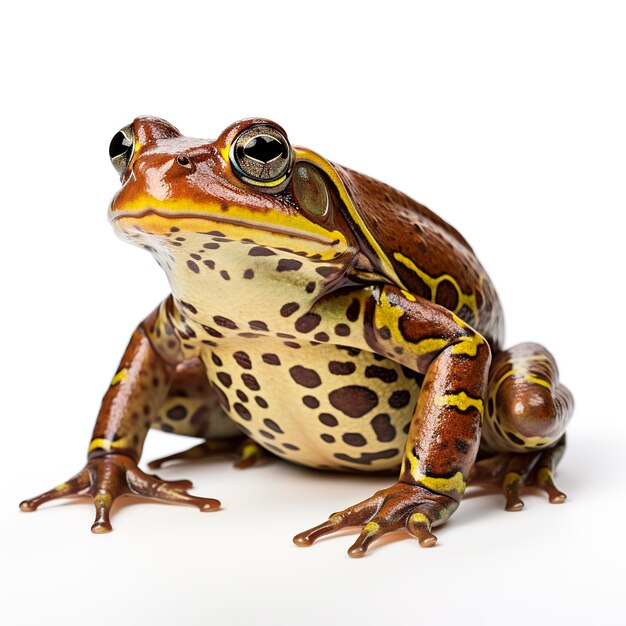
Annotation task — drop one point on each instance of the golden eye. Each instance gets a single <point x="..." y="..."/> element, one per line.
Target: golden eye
<point x="121" y="149"/>
<point x="310" y="190"/>
<point x="261" y="155"/>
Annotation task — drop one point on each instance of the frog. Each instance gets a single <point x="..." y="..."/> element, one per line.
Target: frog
<point x="319" y="316"/>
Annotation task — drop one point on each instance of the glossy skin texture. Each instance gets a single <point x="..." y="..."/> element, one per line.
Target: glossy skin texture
<point x="322" y="316"/>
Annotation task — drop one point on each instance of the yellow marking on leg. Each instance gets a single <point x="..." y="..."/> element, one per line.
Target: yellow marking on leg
<point x="107" y="444"/>
<point x="443" y="485"/>
<point x="460" y="400"/>
<point x="511" y="479"/>
<point x="371" y="527"/>
<point x="103" y="500"/>
<point x="420" y="518"/>
<point x="248" y="451"/>
<point x="119" y="377"/>
<point x="544" y="476"/>
<point x="433" y="282"/>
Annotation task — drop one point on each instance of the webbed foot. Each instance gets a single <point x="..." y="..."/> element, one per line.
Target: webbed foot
<point x="402" y="506"/>
<point x="108" y="477"/>
<point x="514" y="472"/>
<point x="247" y="452"/>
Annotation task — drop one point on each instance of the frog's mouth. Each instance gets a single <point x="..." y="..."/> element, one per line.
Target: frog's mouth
<point x="156" y="222"/>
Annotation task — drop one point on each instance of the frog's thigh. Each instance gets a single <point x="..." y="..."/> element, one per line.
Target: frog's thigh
<point x="192" y="408"/>
<point x="527" y="409"/>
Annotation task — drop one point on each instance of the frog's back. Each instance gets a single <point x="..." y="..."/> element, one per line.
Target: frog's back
<point x="431" y="258"/>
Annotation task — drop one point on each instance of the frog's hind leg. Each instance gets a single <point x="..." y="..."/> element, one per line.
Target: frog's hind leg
<point x="192" y="408"/>
<point x="527" y="413"/>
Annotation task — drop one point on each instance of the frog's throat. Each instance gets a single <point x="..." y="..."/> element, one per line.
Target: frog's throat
<point x="218" y="219"/>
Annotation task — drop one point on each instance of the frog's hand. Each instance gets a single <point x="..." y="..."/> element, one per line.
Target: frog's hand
<point x="246" y="451"/>
<point x="128" y="409"/>
<point x="399" y="507"/>
<point x="443" y="438"/>
<point x="106" y="478"/>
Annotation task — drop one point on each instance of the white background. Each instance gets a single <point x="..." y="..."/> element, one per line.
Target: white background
<point x="508" y="119"/>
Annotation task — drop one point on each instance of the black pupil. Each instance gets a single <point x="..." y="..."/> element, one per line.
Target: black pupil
<point x="264" y="148"/>
<point x="119" y="145"/>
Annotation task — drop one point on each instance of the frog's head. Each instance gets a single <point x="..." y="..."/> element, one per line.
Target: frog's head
<point x="249" y="185"/>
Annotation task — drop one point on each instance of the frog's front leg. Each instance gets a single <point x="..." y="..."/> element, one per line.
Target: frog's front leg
<point x="132" y="400"/>
<point x="444" y="435"/>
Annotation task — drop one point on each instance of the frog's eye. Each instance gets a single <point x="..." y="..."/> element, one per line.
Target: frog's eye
<point x="310" y="190"/>
<point x="121" y="149"/>
<point x="261" y="156"/>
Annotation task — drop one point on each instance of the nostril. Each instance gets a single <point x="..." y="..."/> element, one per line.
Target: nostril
<point x="183" y="161"/>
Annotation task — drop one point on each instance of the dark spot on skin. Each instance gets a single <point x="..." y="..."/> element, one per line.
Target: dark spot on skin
<point x="258" y="325"/>
<point x="354" y="439"/>
<point x="406" y="428"/>
<point x="167" y="428"/>
<point x="180" y="239"/>
<point x="343" y="330"/>
<point x="352" y="312"/>
<point x="174" y="229"/>
<point x="292" y="344"/>
<point x="272" y="425"/>
<point x="304" y="376"/>
<point x="462" y="446"/>
<point x="267" y="435"/>
<point x="222" y="239"/>
<point x="261" y="251"/>
<point x="289" y="309"/>
<point x="248" y="274"/>
<point x="211" y="246"/>
<point x="274" y="448"/>
<point x="366" y="458"/>
<point x="285" y="335"/>
<point x="383" y="428"/>
<point x="250" y="382"/>
<point x="290" y="446"/>
<point x="196" y="257"/>
<point x="242" y="396"/>
<point x="177" y="413"/>
<point x="350" y="351"/>
<point x="353" y="400"/>
<point x="447" y="295"/>
<point x="270" y="359"/>
<point x="514" y="438"/>
<point x="341" y="368"/>
<point x="225" y="379"/>
<point x="261" y="402"/>
<point x="241" y="410"/>
<point x="222" y="399"/>
<point x="307" y="322"/>
<point x="327" y="438"/>
<point x="224" y="322"/>
<point x="382" y="373"/>
<point x="216" y="359"/>
<point x="189" y="307"/>
<point x="310" y="287"/>
<point x="322" y="337"/>
<point x="311" y="402"/>
<point x="242" y="359"/>
<point x="288" y="265"/>
<point x="399" y="399"/>
<point x="210" y="264"/>
<point x="490" y="406"/>
<point x="225" y="275"/>
<point x="325" y="271"/>
<point x="384" y="332"/>
<point x="249" y="335"/>
<point x="327" y="419"/>
<point x="193" y="266"/>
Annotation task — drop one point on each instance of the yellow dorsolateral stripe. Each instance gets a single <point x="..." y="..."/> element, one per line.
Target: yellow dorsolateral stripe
<point x="461" y="401"/>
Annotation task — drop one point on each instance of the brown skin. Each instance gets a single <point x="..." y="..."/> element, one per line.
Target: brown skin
<point x="315" y="280"/>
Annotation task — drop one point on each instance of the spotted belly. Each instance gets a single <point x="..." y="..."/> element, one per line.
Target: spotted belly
<point x="324" y="406"/>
